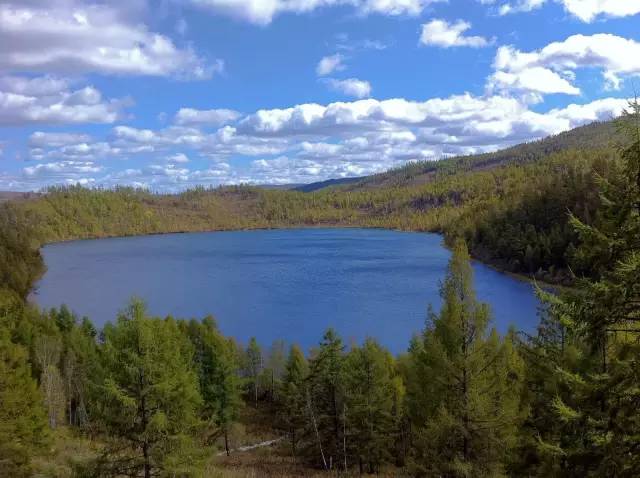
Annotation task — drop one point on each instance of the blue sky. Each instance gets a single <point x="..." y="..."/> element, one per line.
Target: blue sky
<point x="172" y="94"/>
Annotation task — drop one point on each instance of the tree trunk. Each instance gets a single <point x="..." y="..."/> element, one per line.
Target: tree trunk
<point x="226" y="441"/>
<point x="293" y="443"/>
<point x="315" y="427"/>
<point x="147" y="463"/>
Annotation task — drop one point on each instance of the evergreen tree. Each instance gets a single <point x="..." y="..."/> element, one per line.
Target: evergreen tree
<point x="217" y="369"/>
<point x="150" y="395"/>
<point x="293" y="397"/>
<point x="370" y="405"/>
<point x="326" y="401"/>
<point x="465" y="385"/>
<point x="80" y="371"/>
<point x="23" y="425"/>
<point x="598" y="412"/>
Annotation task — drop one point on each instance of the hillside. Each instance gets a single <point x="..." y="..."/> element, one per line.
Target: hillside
<point x="311" y="187"/>
<point x="596" y="135"/>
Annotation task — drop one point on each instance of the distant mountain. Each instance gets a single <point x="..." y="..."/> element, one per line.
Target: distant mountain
<point x="307" y="188"/>
<point x="280" y="187"/>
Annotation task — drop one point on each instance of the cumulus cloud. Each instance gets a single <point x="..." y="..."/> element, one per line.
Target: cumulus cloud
<point x="585" y="10"/>
<point x="551" y="69"/>
<point x="222" y="143"/>
<point x="70" y="37"/>
<point x="169" y="177"/>
<point x="178" y="158"/>
<point x="444" y="34"/>
<point x="303" y="143"/>
<point x="214" y="117"/>
<point x="49" y="100"/>
<point x="262" y="12"/>
<point x="351" y="87"/>
<point x="40" y="139"/>
<point x="73" y="170"/>
<point x="329" y="64"/>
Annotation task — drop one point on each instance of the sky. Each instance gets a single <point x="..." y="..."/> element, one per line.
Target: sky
<point x="172" y="94"/>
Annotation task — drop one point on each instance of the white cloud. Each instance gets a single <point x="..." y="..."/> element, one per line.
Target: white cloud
<point x="222" y="143"/>
<point x="536" y="79"/>
<point x="551" y="69"/>
<point x="40" y="139"/>
<point x="62" y="169"/>
<point x="444" y="34"/>
<point x="329" y="64"/>
<point x="307" y="142"/>
<point x="351" y="87"/>
<point x="585" y="10"/>
<point x="262" y="12"/>
<point x="48" y="100"/>
<point x="178" y="158"/>
<point x="215" y="117"/>
<point x="69" y="37"/>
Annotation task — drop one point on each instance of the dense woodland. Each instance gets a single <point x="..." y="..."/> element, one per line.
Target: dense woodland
<point x="149" y="396"/>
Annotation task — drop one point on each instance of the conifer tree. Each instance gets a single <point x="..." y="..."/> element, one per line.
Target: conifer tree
<point x="23" y="425"/>
<point x="293" y="402"/>
<point x="369" y="405"/>
<point x="464" y="402"/>
<point x="218" y="377"/>
<point x="598" y="413"/>
<point x="149" y="398"/>
<point x="327" y="399"/>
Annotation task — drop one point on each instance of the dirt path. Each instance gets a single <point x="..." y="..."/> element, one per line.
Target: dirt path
<point x="252" y="447"/>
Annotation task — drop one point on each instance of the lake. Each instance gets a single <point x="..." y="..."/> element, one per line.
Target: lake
<point x="286" y="284"/>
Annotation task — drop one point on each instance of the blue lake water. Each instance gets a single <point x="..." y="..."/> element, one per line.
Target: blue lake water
<point x="277" y="284"/>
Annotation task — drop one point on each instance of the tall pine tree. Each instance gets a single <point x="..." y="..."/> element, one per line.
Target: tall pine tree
<point x="464" y="385"/>
<point x="150" y="397"/>
<point x="370" y="405"/>
<point x="598" y="413"/>
<point x="293" y="397"/>
<point x="23" y="424"/>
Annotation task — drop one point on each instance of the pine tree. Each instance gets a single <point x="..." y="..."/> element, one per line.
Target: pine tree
<point x="293" y="397"/>
<point x="150" y="396"/>
<point x="326" y="401"/>
<point x="370" y="405"/>
<point x="80" y="371"/>
<point x="465" y="385"/>
<point x="23" y="423"/>
<point x="217" y="369"/>
<point x="597" y="406"/>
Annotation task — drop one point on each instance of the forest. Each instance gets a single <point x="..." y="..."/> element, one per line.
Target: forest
<point x="161" y="396"/>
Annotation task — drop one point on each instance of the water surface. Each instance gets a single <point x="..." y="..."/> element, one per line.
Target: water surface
<point x="279" y="284"/>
